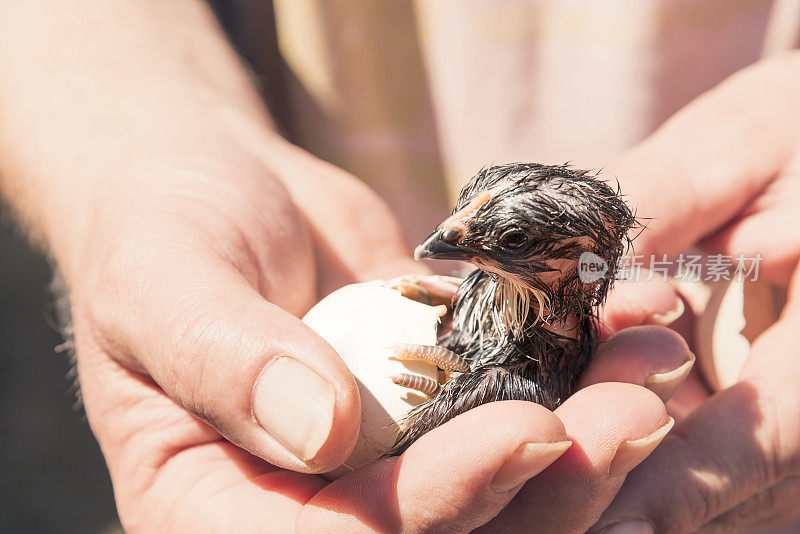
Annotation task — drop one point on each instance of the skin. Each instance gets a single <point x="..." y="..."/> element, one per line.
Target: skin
<point x="732" y="462"/>
<point x="190" y="235"/>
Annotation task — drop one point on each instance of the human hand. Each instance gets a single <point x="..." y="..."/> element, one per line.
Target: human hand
<point x="724" y="173"/>
<point x="182" y="297"/>
<point x="190" y="236"/>
<point x="192" y="275"/>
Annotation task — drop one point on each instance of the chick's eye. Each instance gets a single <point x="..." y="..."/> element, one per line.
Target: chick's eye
<point x="514" y="240"/>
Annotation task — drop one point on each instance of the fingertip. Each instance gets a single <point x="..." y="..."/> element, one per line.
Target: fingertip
<point x="651" y="356"/>
<point x="305" y="413"/>
<point x="527" y="461"/>
<point x="639" y="302"/>
<point x="598" y="420"/>
<point x="632" y="452"/>
<point x="287" y="397"/>
<point x="311" y="405"/>
<point x="666" y="383"/>
<point x="490" y="431"/>
<point x="614" y="427"/>
<point x="602" y="416"/>
<point x="487" y="453"/>
<point x="669" y="316"/>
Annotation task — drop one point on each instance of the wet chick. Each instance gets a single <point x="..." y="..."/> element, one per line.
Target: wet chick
<point x="524" y="323"/>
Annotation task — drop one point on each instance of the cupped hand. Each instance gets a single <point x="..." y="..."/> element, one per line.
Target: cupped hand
<point x="214" y="404"/>
<point x="724" y="174"/>
<point x="191" y="277"/>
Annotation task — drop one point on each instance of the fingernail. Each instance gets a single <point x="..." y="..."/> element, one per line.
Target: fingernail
<point x="295" y="406"/>
<point x="665" y="384"/>
<point x="630" y="527"/>
<point x="630" y="453"/>
<point x="527" y="461"/>
<point x="668" y="317"/>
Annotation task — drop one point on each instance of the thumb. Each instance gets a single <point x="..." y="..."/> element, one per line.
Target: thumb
<point x="207" y="337"/>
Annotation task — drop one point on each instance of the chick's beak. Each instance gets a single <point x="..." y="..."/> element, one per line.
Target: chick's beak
<point x="440" y="246"/>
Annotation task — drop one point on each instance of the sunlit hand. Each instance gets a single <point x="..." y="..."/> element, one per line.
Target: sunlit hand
<point x="203" y="388"/>
<point x="724" y="173"/>
<point x="191" y="237"/>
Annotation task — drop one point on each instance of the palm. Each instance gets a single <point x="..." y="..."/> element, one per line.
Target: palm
<point x="244" y="241"/>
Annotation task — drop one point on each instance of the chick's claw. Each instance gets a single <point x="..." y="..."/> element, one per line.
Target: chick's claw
<point x="433" y="290"/>
<point x="423" y="384"/>
<point x="439" y="356"/>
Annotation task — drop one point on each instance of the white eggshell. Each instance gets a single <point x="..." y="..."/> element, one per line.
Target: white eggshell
<point x="737" y="312"/>
<point x="362" y="321"/>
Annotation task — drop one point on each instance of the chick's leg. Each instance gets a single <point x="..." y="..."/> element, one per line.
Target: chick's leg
<point x="468" y="390"/>
<point x="427" y="386"/>
<point x="437" y="355"/>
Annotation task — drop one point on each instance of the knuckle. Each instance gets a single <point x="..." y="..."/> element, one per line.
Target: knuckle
<point x="192" y="348"/>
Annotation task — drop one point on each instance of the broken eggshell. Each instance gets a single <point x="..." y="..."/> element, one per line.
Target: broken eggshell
<point x="362" y="322"/>
<point x="735" y="314"/>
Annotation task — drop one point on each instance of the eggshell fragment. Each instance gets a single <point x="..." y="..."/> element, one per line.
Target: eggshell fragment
<point x="362" y="321"/>
<point x="736" y="313"/>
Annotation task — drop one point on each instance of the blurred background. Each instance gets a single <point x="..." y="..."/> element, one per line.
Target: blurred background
<point x="52" y="475"/>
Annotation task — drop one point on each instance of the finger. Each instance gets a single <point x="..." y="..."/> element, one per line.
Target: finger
<point x="740" y="442"/>
<point x="692" y="393"/>
<point x="651" y="356"/>
<point x="775" y="210"/>
<point x="698" y="170"/>
<point x="638" y="302"/>
<point x="453" y="479"/>
<point x="613" y="427"/>
<point x="209" y="339"/>
<point x="358" y="237"/>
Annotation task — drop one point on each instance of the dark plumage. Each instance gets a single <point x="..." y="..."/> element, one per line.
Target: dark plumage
<point x="523" y="321"/>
